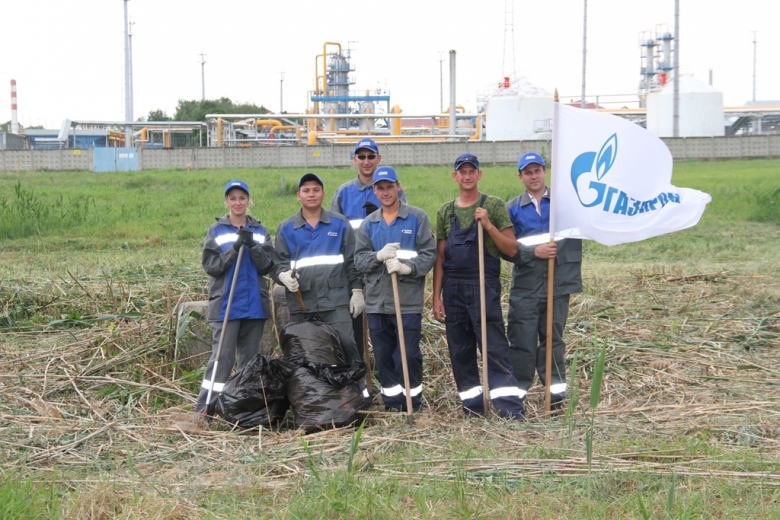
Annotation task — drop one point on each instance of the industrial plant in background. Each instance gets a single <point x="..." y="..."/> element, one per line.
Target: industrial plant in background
<point x="512" y="109"/>
<point x="338" y="113"/>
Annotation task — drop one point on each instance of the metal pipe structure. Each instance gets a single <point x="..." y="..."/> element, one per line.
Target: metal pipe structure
<point x="676" y="106"/>
<point x="128" y="109"/>
<point x="320" y="90"/>
<point x="453" y="117"/>
<point x="583" y="104"/>
<point x="14" y="116"/>
<point x="327" y="116"/>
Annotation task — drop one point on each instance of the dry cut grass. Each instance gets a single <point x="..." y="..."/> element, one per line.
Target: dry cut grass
<point x="691" y="376"/>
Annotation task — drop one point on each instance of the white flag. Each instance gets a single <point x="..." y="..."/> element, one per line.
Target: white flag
<point x="612" y="181"/>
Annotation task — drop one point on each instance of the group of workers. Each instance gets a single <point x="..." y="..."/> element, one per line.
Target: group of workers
<point x="371" y="239"/>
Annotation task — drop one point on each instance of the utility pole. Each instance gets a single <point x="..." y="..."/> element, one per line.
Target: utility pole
<point x="203" y="76"/>
<point x="676" y="107"/>
<point x="441" y="83"/>
<point x="130" y="46"/>
<point x="128" y="87"/>
<point x="754" y="65"/>
<point x="452" y="96"/>
<point x="281" y="94"/>
<point x="583" y="104"/>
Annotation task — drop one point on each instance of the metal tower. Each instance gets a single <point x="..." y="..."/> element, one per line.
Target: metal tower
<point x="509" y="40"/>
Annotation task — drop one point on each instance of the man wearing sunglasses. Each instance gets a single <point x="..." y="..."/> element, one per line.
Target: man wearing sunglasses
<point x="351" y="197"/>
<point x="355" y="200"/>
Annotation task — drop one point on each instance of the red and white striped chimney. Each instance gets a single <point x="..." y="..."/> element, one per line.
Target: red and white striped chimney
<point x="14" y="119"/>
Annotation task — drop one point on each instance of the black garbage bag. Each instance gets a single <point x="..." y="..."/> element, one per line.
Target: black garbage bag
<point x="256" y="394"/>
<point x="324" y="396"/>
<point x="311" y="340"/>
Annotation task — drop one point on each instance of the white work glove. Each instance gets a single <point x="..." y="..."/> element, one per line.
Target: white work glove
<point x="289" y="281"/>
<point x="357" y="304"/>
<point x="396" y="266"/>
<point x="388" y="252"/>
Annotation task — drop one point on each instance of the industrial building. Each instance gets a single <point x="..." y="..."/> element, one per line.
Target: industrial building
<point x="513" y="109"/>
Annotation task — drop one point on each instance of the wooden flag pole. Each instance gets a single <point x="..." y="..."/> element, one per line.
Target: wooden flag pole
<point x="550" y="291"/>
<point x="483" y="318"/>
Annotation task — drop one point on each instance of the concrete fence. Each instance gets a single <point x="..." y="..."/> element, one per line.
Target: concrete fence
<point x="338" y="156"/>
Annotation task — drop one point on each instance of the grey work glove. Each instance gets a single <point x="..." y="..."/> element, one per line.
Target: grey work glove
<point x="388" y="252"/>
<point x="396" y="266"/>
<point x="247" y="236"/>
<point x="290" y="281"/>
<point x="357" y="304"/>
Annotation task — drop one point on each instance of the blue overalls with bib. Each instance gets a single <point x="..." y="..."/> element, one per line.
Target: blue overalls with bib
<point x="464" y="326"/>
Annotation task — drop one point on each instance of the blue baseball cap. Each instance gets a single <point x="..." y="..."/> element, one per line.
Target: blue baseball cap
<point x="385" y="173"/>
<point x="309" y="177"/>
<point x="367" y="144"/>
<point x="467" y="158"/>
<point x="241" y="185"/>
<point x="530" y="158"/>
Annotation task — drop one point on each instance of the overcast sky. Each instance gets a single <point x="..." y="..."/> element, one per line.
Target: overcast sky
<point x="67" y="56"/>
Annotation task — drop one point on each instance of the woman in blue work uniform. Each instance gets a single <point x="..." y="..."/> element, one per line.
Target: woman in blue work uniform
<point x="251" y="305"/>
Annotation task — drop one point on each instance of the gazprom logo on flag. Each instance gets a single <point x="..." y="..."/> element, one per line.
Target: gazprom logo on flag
<point x="595" y="166"/>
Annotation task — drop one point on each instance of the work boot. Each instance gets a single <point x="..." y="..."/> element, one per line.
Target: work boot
<point x="557" y="402"/>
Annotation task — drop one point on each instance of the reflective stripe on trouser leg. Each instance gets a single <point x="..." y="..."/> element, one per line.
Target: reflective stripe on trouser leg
<point x="464" y="336"/>
<point x="387" y="355"/>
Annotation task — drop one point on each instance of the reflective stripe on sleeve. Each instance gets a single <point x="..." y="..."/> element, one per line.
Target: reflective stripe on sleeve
<point x="356" y="223"/>
<point x="366" y="394"/>
<point x="558" y="388"/>
<point x="471" y="393"/>
<point x="258" y="238"/>
<point x="405" y="254"/>
<point x="317" y="260"/>
<point x="217" y="386"/>
<point x="505" y="391"/>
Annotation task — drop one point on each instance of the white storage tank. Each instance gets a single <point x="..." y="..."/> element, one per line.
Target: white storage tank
<point x="519" y="111"/>
<point x="701" y="109"/>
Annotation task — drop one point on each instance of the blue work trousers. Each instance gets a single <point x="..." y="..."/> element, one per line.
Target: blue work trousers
<point x="387" y="355"/>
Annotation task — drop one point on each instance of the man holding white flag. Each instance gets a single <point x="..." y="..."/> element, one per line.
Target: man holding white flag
<point x="612" y="181"/>
<point x="612" y="184"/>
<point x="527" y="318"/>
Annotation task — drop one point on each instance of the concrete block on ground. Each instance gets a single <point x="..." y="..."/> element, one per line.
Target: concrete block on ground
<point x="194" y="347"/>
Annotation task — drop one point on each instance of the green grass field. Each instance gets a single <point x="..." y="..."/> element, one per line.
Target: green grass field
<point x="94" y="425"/>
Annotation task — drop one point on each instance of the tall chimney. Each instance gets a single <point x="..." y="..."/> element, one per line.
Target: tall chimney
<point x="14" y="118"/>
